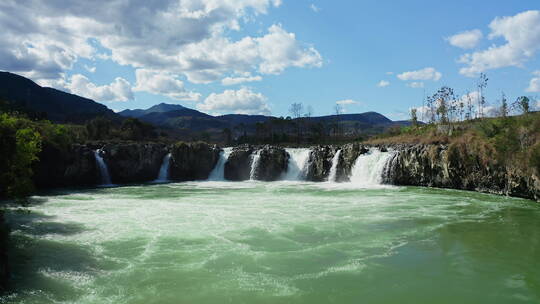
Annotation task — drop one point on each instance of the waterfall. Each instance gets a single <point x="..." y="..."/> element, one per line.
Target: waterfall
<point x="103" y="170"/>
<point x="164" y="170"/>
<point x="333" y="170"/>
<point x="369" y="168"/>
<point x="297" y="165"/>
<point x="218" y="174"/>
<point x="254" y="164"/>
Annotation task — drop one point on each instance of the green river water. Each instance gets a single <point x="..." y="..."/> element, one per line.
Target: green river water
<point x="280" y="242"/>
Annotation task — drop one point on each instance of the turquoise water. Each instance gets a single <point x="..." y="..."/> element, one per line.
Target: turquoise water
<point x="281" y="242"/>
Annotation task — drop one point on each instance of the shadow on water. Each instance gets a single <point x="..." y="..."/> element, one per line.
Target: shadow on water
<point x="42" y="265"/>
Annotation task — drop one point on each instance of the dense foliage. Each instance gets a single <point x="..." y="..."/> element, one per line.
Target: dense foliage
<point x="21" y="140"/>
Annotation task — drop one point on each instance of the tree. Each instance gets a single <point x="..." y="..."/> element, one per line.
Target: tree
<point x="414" y="117"/>
<point x="523" y="104"/>
<point x="98" y="128"/>
<point x="338" y="111"/>
<point x="504" y="106"/>
<point x="296" y="109"/>
<point x="469" y="106"/>
<point x="482" y="84"/>
<point x="134" y="129"/>
<point x="227" y="134"/>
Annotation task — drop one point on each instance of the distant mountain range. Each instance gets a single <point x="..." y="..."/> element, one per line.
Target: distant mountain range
<point x="175" y="116"/>
<point x="23" y="94"/>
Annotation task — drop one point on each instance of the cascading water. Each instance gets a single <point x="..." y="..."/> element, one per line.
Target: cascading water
<point x="254" y="164"/>
<point x="368" y="169"/>
<point x="218" y="174"/>
<point x="103" y="170"/>
<point x="298" y="161"/>
<point x="164" y="170"/>
<point x="333" y="170"/>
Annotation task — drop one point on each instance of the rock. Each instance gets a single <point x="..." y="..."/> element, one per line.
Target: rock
<point x="272" y="164"/>
<point x="65" y="167"/>
<point x="349" y="154"/>
<point x="320" y="162"/>
<point x="238" y="166"/>
<point x="456" y="167"/>
<point x="133" y="162"/>
<point x="192" y="161"/>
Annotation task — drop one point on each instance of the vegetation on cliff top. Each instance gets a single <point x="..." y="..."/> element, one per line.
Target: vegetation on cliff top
<point x="512" y="141"/>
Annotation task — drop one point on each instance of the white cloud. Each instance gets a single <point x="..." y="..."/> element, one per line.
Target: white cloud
<point x="44" y="39"/>
<point x="90" y="69"/>
<point x="243" y="101"/>
<point x="238" y="80"/>
<point x="423" y="74"/>
<point x="279" y="50"/>
<point x="163" y="84"/>
<point x="534" y="84"/>
<point x="314" y="8"/>
<point x="416" y="84"/>
<point x="389" y="73"/>
<point x="466" y="40"/>
<point x="347" y="102"/>
<point x="118" y="90"/>
<point x="383" y="83"/>
<point x="522" y="35"/>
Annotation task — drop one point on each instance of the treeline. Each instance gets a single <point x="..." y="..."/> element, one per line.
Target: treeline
<point x="445" y="106"/>
<point x="22" y="137"/>
<point x="300" y="128"/>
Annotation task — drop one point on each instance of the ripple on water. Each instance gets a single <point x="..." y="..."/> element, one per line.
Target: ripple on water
<point x="290" y="242"/>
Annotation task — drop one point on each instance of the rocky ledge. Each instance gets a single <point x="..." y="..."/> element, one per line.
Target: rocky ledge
<point x="449" y="167"/>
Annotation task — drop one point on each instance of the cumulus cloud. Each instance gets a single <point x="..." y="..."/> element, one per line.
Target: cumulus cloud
<point x="416" y="84"/>
<point x="383" y="83"/>
<point x="44" y="39"/>
<point x="238" y="80"/>
<point x="314" y="8"/>
<point x="118" y="90"/>
<point x="163" y="84"/>
<point x="534" y="84"/>
<point x="466" y="40"/>
<point x="423" y="74"/>
<point x="522" y="35"/>
<point x="243" y="101"/>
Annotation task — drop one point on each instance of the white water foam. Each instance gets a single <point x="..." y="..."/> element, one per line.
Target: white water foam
<point x="333" y="170"/>
<point x="298" y="162"/>
<point x="254" y="163"/>
<point x="218" y="174"/>
<point x="103" y="169"/>
<point x="164" y="170"/>
<point x="368" y="168"/>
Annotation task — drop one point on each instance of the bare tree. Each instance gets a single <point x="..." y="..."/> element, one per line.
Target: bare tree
<point x="482" y="84"/>
<point x="296" y="109"/>
<point x="337" y="127"/>
<point x="470" y="107"/>
<point x="504" y="106"/>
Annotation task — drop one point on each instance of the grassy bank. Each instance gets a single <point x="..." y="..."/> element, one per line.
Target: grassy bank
<point x="512" y="141"/>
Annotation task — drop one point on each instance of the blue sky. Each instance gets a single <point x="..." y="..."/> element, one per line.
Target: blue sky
<point x="314" y="52"/>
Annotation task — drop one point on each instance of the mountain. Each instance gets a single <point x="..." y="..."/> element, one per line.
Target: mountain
<point x="188" y="119"/>
<point x="159" y="108"/>
<point x="23" y="94"/>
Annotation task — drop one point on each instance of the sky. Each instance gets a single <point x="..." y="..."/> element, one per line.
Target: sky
<point x="260" y="56"/>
